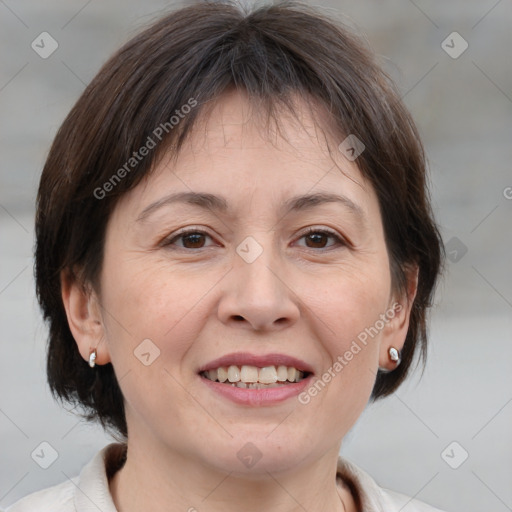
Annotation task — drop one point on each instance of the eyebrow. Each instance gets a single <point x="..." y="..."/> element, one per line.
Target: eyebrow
<point x="213" y="202"/>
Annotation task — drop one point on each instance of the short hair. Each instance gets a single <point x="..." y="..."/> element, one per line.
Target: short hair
<point x="195" y="54"/>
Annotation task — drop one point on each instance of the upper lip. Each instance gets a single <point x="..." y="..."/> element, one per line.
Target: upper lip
<point x="245" y="358"/>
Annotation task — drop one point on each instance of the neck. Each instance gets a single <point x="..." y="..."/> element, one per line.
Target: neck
<point x="167" y="481"/>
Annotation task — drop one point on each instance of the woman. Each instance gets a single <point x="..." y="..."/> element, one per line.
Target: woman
<point x="235" y="252"/>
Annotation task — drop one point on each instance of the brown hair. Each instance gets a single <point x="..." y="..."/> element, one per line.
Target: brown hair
<point x="194" y="55"/>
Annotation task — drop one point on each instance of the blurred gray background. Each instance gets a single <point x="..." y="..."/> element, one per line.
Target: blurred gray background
<point x="462" y="102"/>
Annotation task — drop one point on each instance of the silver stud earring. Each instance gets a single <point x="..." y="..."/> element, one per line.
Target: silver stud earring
<point x="92" y="358"/>
<point x="394" y="355"/>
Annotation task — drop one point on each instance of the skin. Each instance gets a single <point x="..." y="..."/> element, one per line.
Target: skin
<point x="197" y="300"/>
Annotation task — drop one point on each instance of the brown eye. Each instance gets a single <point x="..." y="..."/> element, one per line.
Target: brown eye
<point x="192" y="239"/>
<point x="319" y="239"/>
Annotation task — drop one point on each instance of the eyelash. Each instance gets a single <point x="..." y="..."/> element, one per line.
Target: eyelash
<point x="191" y="231"/>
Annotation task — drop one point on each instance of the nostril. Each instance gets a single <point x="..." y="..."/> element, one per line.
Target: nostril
<point x="238" y="318"/>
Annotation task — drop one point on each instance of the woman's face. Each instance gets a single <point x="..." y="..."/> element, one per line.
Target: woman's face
<point x="250" y="281"/>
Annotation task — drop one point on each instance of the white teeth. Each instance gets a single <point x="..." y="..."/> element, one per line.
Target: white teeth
<point x="249" y="374"/>
<point x="251" y="377"/>
<point x="254" y="385"/>
<point x="267" y="375"/>
<point x="233" y="373"/>
<point x="222" y="374"/>
<point x="282" y="373"/>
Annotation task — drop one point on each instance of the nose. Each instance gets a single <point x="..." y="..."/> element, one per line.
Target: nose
<point x="257" y="295"/>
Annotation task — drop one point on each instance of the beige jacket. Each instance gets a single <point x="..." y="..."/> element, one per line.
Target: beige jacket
<point x="89" y="492"/>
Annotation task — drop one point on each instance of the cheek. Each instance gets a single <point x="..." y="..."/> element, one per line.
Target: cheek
<point x="136" y="290"/>
<point x="149" y="299"/>
<point x="345" y="310"/>
<point x="351" y="329"/>
<point x="351" y="300"/>
<point x="151" y="323"/>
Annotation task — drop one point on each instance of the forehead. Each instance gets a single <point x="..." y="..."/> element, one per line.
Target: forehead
<point x="236" y="150"/>
<point x="236" y="122"/>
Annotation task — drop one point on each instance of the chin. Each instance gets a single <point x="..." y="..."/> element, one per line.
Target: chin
<point x="253" y="454"/>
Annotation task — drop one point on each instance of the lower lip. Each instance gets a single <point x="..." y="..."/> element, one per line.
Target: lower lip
<point x="258" y="397"/>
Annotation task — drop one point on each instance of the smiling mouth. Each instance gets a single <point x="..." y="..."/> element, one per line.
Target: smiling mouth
<point x="253" y="377"/>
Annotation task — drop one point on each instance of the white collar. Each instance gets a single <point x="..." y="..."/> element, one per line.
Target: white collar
<point x="92" y="493"/>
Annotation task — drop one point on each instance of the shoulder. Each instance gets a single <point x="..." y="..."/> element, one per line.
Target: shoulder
<point x="58" y="498"/>
<point x="89" y="491"/>
<point x="398" y="501"/>
<point x="374" y="498"/>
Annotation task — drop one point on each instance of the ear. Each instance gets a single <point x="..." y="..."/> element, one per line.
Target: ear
<point x="399" y="314"/>
<point x="83" y="311"/>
